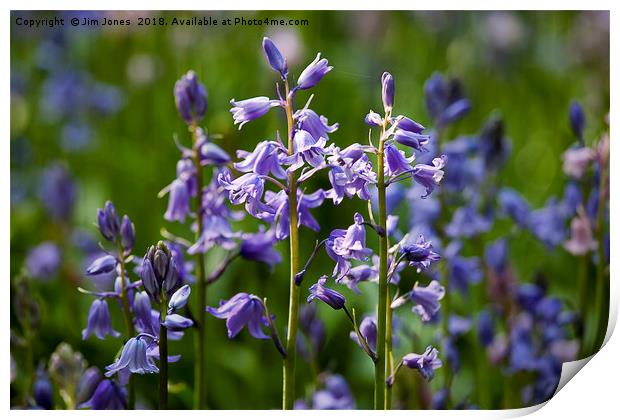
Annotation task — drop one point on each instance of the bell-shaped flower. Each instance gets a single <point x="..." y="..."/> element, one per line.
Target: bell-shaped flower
<point x="318" y="127"/>
<point x="395" y="161"/>
<point x="429" y="176"/>
<point x="313" y="73"/>
<point x="190" y="97"/>
<point x="343" y="245"/>
<point x="107" y="219"/>
<point x="263" y="160"/>
<point x="99" y="321"/>
<point x="368" y="330"/>
<point x="179" y="298"/>
<point x="426" y="299"/>
<point x="107" y="396"/>
<point x="329" y="296"/>
<point x="134" y="358"/>
<point x="306" y="149"/>
<point x="178" y="202"/>
<point x="412" y="139"/>
<point x="241" y="310"/>
<point x="426" y="363"/>
<point x="581" y="240"/>
<point x="259" y="247"/>
<point x="102" y="265"/>
<point x="176" y="322"/>
<point x="251" y="109"/>
<point x="387" y="91"/>
<point x="420" y="253"/>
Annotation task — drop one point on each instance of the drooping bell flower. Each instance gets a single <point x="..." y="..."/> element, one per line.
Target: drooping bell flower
<point x="259" y="247"/>
<point x="344" y="245"/>
<point x="88" y="384"/>
<point x="190" y="97"/>
<point x="577" y="119"/>
<point x="426" y="363"/>
<point x="429" y="176"/>
<point x="42" y="390"/>
<point x="178" y="202"/>
<point x="313" y="73"/>
<point x="265" y="159"/>
<point x="577" y="160"/>
<point x="241" y="310"/>
<point x="420" y="254"/>
<point x="368" y="330"/>
<point x="179" y="298"/>
<point x="396" y="162"/>
<point x="514" y="206"/>
<point x="43" y="260"/>
<point x="108" y="396"/>
<point x="102" y="265"/>
<point x="99" y="322"/>
<point x="318" y="127"/>
<point x="581" y="240"/>
<point x="133" y="358"/>
<point x="58" y="192"/>
<point x="329" y="296"/>
<point x="251" y="109"/>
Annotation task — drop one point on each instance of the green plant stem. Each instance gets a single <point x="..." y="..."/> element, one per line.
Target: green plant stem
<point x="389" y="365"/>
<point x="200" y="383"/>
<point x="131" y="387"/>
<point x="163" y="360"/>
<point x="288" y="382"/>
<point x="380" y="364"/>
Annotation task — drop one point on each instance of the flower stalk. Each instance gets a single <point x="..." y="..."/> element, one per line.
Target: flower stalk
<point x="131" y="388"/>
<point x="163" y="359"/>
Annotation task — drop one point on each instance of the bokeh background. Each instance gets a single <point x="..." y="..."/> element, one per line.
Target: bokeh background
<point x="98" y="102"/>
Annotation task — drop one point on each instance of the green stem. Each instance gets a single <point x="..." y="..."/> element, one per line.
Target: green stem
<point x="131" y="387"/>
<point x="380" y="364"/>
<point x="163" y="360"/>
<point x="200" y="384"/>
<point x="288" y="382"/>
<point x="389" y="366"/>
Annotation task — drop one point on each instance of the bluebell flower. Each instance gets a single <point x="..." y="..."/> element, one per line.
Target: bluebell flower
<point x="265" y="159"/>
<point x="179" y="298"/>
<point x="247" y="189"/>
<point x="344" y="245"/>
<point x="387" y="91"/>
<point x="42" y="390"/>
<point x="419" y="254"/>
<point x="514" y="206"/>
<point x="528" y="295"/>
<point x="373" y="119"/>
<point x="278" y="202"/>
<point x="577" y="160"/>
<point x="467" y="222"/>
<point x="396" y="162"/>
<point x="350" y="173"/>
<point x="313" y="73"/>
<point x="178" y="202"/>
<point x="429" y="176"/>
<point x="581" y="239"/>
<point x="107" y="219"/>
<point x="496" y="255"/>
<point x="368" y="330"/>
<point x="461" y="271"/>
<point x="356" y="275"/>
<point x="88" y="384"/>
<point x="251" y="109"/>
<point x="313" y="329"/>
<point x="108" y="396"/>
<point x="467" y="169"/>
<point x="548" y="224"/>
<point x="335" y="396"/>
<point x="190" y="97"/>
<point x="426" y="363"/>
<point x="176" y="322"/>
<point x="329" y="296"/>
<point x="440" y="399"/>
<point x="43" y="260"/>
<point x="128" y="234"/>
<point x="102" y="265"/>
<point x="486" y="332"/>
<point x="275" y="58"/>
<point x="186" y="172"/>
<point x="412" y="139"/>
<point x="259" y="247"/>
<point x="407" y="124"/>
<point x="216" y="230"/>
<point x="318" y="127"/>
<point x="426" y="299"/>
<point x="445" y="100"/>
<point x="241" y="310"/>
<point x="159" y="272"/>
<point x="99" y="321"/>
<point x="577" y="119"/>
<point x="133" y="358"/>
<point x="58" y="192"/>
<point x="306" y="149"/>
<point x="458" y="325"/>
<point x="212" y="154"/>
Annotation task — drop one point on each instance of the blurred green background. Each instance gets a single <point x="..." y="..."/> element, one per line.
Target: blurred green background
<point x="526" y="65"/>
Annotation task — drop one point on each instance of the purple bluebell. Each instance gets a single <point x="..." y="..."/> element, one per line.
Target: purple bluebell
<point x="467" y="168"/>
<point x="445" y="100"/>
<point x="279" y="203"/>
<point x="212" y="154"/>
<point x="514" y="206"/>
<point x="176" y="322"/>
<point x="396" y="162"/>
<point x="58" y="192"/>
<point x="373" y="119"/>
<point x="458" y="325"/>
<point x="356" y="275"/>
<point x="548" y="224"/>
<point x="186" y="172"/>
<point x="313" y="329"/>
<point x="133" y="358"/>
<point x="572" y="199"/>
<point x="318" y="127"/>
<point x="528" y="295"/>
<point x="178" y="202"/>
<point x="142" y="311"/>
<point x="251" y="109"/>
<point x="99" y="322"/>
<point x="246" y="189"/>
<point x="461" y="271"/>
<point x="493" y="145"/>
<point x="241" y="310"/>
<point x="216" y="230"/>
<point x="387" y="91"/>
<point x="485" y="329"/>
<point x="159" y="273"/>
<point x="336" y="395"/>
<point x="426" y="363"/>
<point x="344" y="245"/>
<point x="420" y="253"/>
<point x="179" y="298"/>
<point x="43" y="260"/>
<point x="581" y="239"/>
<point x="265" y="159"/>
<point x="88" y="384"/>
<point x="313" y="73"/>
<point x="467" y="222"/>
<point x="429" y="176"/>
<point x="306" y="149"/>
<point x="42" y="390"/>
<point x="496" y="255"/>
<point x="275" y="58"/>
<point x="426" y="299"/>
<point x="108" y="396"/>
<point x="259" y="247"/>
<point x="351" y="173"/>
<point x="577" y="119"/>
<point x="107" y="219"/>
<point x="329" y="296"/>
<point x="577" y="160"/>
<point x="411" y="139"/>
<point x="102" y="265"/>
<point x="368" y="330"/>
<point x="407" y="124"/>
<point x="190" y="97"/>
<point x="128" y="234"/>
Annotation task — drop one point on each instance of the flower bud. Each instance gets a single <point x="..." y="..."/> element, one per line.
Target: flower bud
<point x="88" y="383"/>
<point x="102" y="265"/>
<point x="179" y="298"/>
<point x="128" y="234"/>
<point x="190" y="97"/>
<point x="275" y="58"/>
<point x="387" y="91"/>
<point x="107" y="219"/>
<point x="313" y="73"/>
<point x="42" y="390"/>
<point x="577" y="119"/>
<point x="159" y="273"/>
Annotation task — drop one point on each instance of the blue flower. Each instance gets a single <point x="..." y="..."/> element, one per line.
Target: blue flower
<point x="514" y="206"/>
<point x="444" y="99"/>
<point x="178" y="202"/>
<point x="462" y="271"/>
<point x="128" y="234"/>
<point x="486" y="332"/>
<point x="108" y="396"/>
<point x="179" y="298"/>
<point x="43" y="260"/>
<point x="251" y="109"/>
<point x="58" y="192"/>
<point x="306" y="148"/>
<point x="99" y="321"/>
<point x="259" y="247"/>
<point x="212" y="154"/>
<point x="368" y="330"/>
<point x="329" y="296"/>
<point x="350" y="173"/>
<point x="159" y="272"/>
<point x="263" y="160"/>
<point x="335" y="396"/>
<point x="107" y="219"/>
<point x="494" y="147"/>
<point x="466" y="223"/>
<point x="176" y="322"/>
<point x="133" y="358"/>
<point x="396" y="162"/>
<point x="426" y="363"/>
<point x="318" y="127"/>
<point x="387" y="91"/>
<point x="420" y="254"/>
<point x="102" y="265"/>
<point x="190" y="97"/>
<point x="241" y="310"/>
<point x="577" y="119"/>
<point x="42" y="390"/>
<point x="313" y="73"/>
<point x="426" y="299"/>
<point x="275" y="58"/>
<point x="343" y="245"/>
<point x="412" y="139"/>
<point x="88" y="384"/>
<point x="429" y="176"/>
